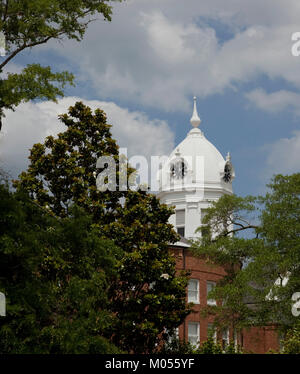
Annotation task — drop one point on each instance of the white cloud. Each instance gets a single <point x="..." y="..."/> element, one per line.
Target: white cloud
<point x="13" y="68"/>
<point x="32" y="122"/>
<point x="276" y="101"/>
<point x="283" y="156"/>
<point x="233" y="12"/>
<point x="161" y="53"/>
<point x="169" y="40"/>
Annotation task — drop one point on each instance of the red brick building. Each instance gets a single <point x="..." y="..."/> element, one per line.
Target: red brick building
<point x="194" y="175"/>
<point x="203" y="276"/>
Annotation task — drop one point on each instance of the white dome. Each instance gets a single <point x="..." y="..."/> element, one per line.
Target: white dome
<point x="196" y="145"/>
<point x="203" y="165"/>
<point x="194" y="175"/>
<point x="196" y="163"/>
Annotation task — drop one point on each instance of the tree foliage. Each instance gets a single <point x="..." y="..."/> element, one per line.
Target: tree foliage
<point x="55" y="274"/>
<point x="291" y="343"/>
<point x="208" y="347"/>
<point x="29" y="23"/>
<point x="148" y="297"/>
<point x="257" y="240"/>
<point x="176" y="346"/>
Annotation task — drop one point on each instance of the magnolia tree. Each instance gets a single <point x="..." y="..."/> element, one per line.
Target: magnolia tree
<point x="148" y="297"/>
<point x="55" y="274"/>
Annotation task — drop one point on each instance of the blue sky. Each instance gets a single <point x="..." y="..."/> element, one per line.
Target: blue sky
<point x="145" y="66"/>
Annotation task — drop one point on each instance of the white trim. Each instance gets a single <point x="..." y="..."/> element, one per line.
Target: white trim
<point x="210" y="326"/>
<point x="2" y="304"/>
<point x="197" y="291"/>
<point x="180" y="244"/>
<point x="225" y="338"/>
<point x="235" y="339"/>
<point x="210" y="301"/>
<point x="194" y="339"/>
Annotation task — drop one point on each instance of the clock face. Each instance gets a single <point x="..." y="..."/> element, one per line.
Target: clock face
<point x="178" y="169"/>
<point x="227" y="173"/>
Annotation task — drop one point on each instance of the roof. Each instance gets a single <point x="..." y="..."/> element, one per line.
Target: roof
<point x="202" y="163"/>
<point x="183" y="242"/>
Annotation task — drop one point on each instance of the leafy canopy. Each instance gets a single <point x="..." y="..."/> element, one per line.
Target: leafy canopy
<point x="55" y="274"/>
<point x="29" y="23"/>
<point x="257" y="240"/>
<point x="148" y="296"/>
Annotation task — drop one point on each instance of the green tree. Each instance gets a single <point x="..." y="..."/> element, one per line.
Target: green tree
<point x="257" y="241"/>
<point x="291" y="343"/>
<point x="176" y="346"/>
<point x="28" y="23"/>
<point x="4" y="177"/>
<point x="210" y="347"/>
<point x="55" y="274"/>
<point x="149" y="296"/>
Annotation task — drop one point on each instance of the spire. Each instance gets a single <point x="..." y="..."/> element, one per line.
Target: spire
<point x="195" y="120"/>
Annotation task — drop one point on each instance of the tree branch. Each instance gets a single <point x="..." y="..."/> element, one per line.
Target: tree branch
<point x="5" y="12"/>
<point x="55" y="35"/>
<point x="24" y="46"/>
<point x="241" y="229"/>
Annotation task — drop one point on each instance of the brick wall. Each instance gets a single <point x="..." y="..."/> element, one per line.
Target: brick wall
<point x="260" y="339"/>
<point x="254" y="340"/>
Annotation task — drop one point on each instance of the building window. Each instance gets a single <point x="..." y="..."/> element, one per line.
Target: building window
<point x="180" y="222"/>
<point x="194" y="333"/>
<point x="212" y="332"/>
<point x="203" y="214"/>
<point x="177" y="333"/>
<point x="281" y="337"/>
<point x="180" y="231"/>
<point x="193" y="291"/>
<point x="236" y="339"/>
<point x="209" y="287"/>
<point x="225" y="338"/>
<point x="172" y="335"/>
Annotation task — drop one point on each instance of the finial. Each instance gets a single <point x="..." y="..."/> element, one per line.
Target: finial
<point x="195" y="120"/>
<point x="228" y="157"/>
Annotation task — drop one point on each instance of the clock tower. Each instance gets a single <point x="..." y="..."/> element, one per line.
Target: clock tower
<point x="191" y="178"/>
<point x="194" y="175"/>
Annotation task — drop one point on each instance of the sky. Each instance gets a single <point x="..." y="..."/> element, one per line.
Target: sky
<point x="144" y="67"/>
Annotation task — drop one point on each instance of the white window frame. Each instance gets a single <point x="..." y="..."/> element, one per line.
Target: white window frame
<point x="180" y="223"/>
<point x="210" y="326"/>
<point x="197" y="291"/>
<point x="225" y="333"/>
<point x="178" y="229"/>
<point x="2" y="305"/>
<point x="203" y="213"/>
<point x="281" y="337"/>
<point x="192" y="338"/>
<point x="210" y="301"/>
<point x="236" y="339"/>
